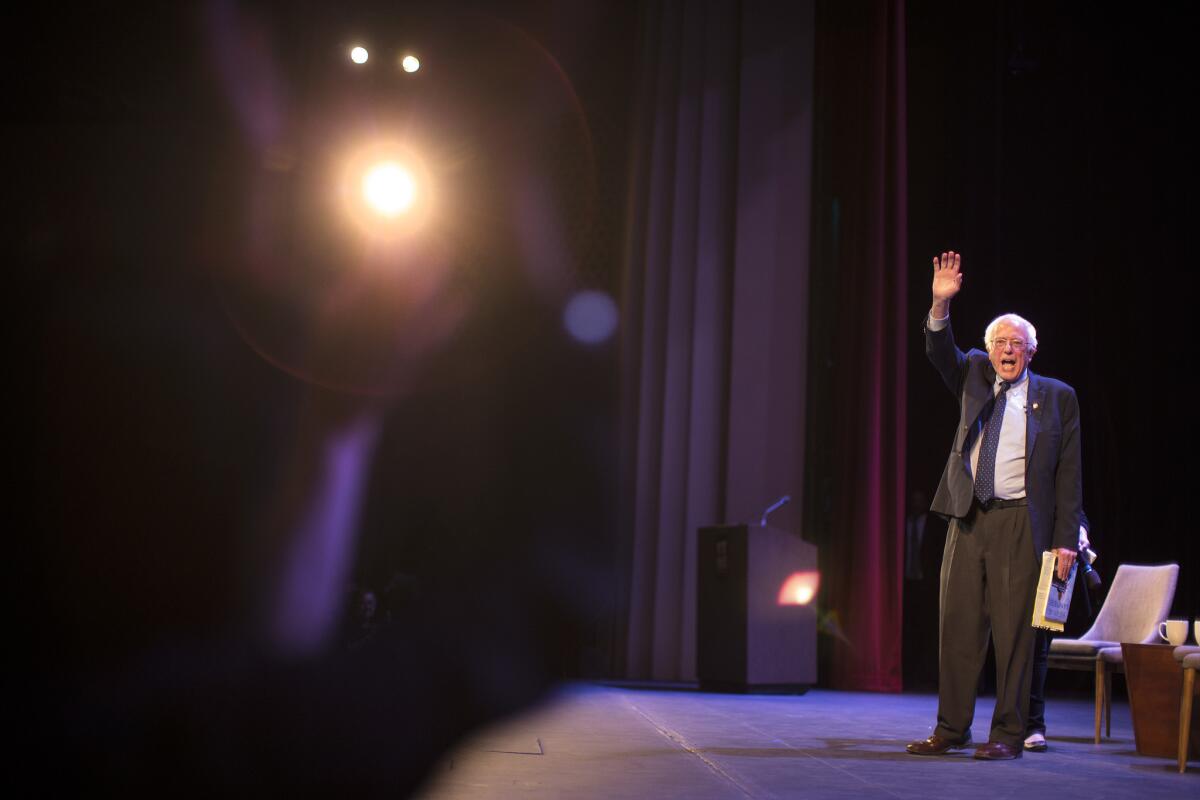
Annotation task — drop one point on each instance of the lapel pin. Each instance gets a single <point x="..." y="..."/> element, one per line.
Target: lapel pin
<point x="1035" y="406"/>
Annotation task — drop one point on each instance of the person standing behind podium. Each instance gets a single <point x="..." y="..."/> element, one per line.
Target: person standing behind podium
<point x="1035" y="724"/>
<point x="1011" y="488"/>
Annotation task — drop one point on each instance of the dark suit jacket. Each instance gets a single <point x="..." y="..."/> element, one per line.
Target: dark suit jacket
<point x="1053" y="480"/>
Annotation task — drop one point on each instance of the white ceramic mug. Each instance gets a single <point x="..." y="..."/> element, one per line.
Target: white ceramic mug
<point x="1173" y="630"/>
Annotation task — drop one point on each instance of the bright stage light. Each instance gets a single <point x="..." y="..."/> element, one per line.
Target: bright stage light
<point x="359" y="55"/>
<point x="389" y="189"/>
<point x="410" y="63"/>
<point x="799" y="589"/>
<point x="384" y="188"/>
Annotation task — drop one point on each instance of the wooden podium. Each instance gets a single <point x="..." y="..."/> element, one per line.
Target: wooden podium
<point x="746" y="639"/>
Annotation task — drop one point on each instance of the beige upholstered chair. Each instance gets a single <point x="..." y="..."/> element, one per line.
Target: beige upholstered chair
<point x="1189" y="659"/>
<point x="1139" y="598"/>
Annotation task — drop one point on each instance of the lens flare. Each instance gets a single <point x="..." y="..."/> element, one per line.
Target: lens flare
<point x="591" y="317"/>
<point x="359" y="55"/>
<point x="799" y="589"/>
<point x="389" y="189"/>
<point x="410" y="63"/>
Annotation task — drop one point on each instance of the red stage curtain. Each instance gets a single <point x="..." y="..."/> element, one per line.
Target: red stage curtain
<point x="861" y="254"/>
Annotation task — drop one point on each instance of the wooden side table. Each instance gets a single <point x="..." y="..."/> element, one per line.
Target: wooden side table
<point x="1155" y="682"/>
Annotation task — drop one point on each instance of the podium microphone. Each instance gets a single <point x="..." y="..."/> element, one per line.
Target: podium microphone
<point x="783" y="501"/>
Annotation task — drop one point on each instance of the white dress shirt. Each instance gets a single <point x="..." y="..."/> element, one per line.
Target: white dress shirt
<point x="1010" y="454"/>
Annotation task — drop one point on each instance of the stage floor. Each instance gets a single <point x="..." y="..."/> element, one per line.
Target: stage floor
<point x="597" y="741"/>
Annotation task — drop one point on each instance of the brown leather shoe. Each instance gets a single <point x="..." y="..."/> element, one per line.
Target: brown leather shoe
<point x="935" y="746"/>
<point x="997" y="751"/>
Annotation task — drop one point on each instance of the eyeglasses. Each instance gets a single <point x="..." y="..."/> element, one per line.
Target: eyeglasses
<point x="1002" y="344"/>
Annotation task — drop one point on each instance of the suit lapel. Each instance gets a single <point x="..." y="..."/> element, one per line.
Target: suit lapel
<point x="977" y="396"/>
<point x="1033" y="413"/>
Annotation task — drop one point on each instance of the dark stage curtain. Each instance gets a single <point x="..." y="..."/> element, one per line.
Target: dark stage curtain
<point x="715" y="299"/>
<point x="860" y="330"/>
<point x="1067" y="180"/>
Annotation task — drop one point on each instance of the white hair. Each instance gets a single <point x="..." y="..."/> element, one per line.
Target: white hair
<point x="1016" y="321"/>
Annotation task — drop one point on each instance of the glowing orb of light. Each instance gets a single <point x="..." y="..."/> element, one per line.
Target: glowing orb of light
<point x="389" y="189"/>
<point x="799" y="588"/>
<point x="359" y="55"/>
<point x="590" y="316"/>
<point x="410" y="63"/>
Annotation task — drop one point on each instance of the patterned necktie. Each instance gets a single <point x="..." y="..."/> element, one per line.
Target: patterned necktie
<point x="985" y="478"/>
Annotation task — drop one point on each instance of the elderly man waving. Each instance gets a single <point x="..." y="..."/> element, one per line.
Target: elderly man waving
<point x="1011" y="489"/>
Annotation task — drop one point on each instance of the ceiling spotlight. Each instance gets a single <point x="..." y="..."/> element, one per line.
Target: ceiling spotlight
<point x="410" y="63"/>
<point x="359" y="55"/>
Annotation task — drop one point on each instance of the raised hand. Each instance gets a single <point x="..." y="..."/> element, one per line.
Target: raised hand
<point x="947" y="279"/>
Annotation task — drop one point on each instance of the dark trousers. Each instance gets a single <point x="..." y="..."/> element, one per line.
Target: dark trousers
<point x="988" y="581"/>
<point x="1037" y="690"/>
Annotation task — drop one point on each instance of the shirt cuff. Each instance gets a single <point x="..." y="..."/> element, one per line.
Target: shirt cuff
<point x="936" y="324"/>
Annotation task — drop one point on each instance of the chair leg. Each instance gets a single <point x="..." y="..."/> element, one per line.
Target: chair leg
<point x="1099" y="696"/>
<point x="1108" y="703"/>
<point x="1185" y="716"/>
